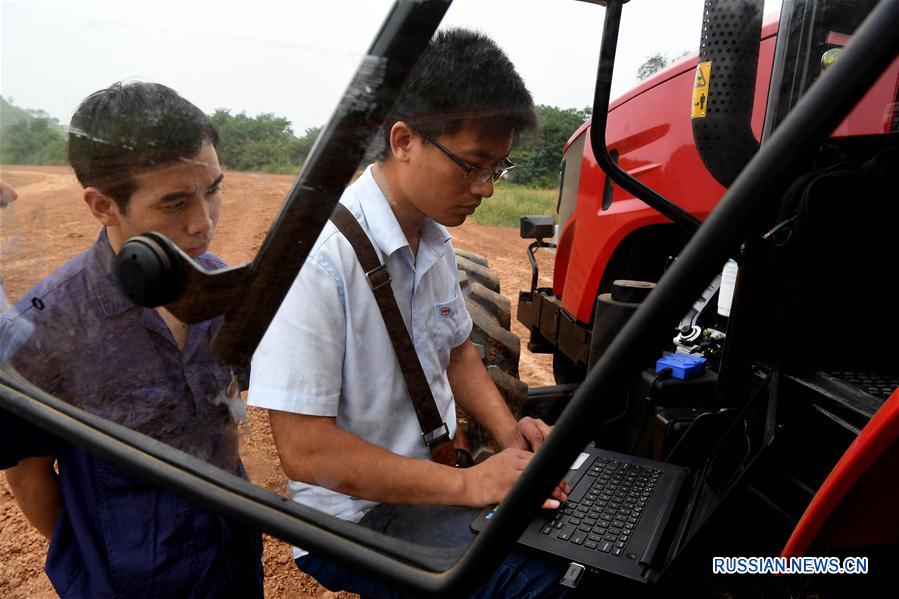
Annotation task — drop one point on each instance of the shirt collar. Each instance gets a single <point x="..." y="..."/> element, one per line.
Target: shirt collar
<point x="100" y="269"/>
<point x="384" y="228"/>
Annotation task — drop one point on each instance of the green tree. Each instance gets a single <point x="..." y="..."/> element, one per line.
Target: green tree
<point x="261" y="143"/>
<point x="652" y="65"/>
<point x="34" y="141"/>
<point x="538" y="153"/>
<point x="29" y="136"/>
<point x="656" y="62"/>
<point x="303" y="145"/>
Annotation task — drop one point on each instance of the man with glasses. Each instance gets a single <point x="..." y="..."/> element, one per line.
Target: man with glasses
<point x="474" y="173"/>
<point x="341" y="414"/>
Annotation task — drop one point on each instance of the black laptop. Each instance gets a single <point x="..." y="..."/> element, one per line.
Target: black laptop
<point x="616" y="515"/>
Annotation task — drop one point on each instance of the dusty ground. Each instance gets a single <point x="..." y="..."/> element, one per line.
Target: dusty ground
<point x="50" y="223"/>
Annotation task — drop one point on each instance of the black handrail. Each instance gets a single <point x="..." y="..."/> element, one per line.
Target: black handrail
<point x="600" y="118"/>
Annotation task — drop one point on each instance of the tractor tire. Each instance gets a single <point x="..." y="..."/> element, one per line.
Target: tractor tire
<point x="498" y="306"/>
<point x="478" y="273"/>
<point x="499" y="348"/>
<point x="476" y="258"/>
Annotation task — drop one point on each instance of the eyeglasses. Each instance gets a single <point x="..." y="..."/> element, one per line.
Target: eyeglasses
<point x="476" y="173"/>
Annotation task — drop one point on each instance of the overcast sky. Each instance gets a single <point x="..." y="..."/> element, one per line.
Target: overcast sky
<point x="295" y="58"/>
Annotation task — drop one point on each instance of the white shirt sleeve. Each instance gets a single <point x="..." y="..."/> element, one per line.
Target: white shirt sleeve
<point x="298" y="364"/>
<point x="464" y="324"/>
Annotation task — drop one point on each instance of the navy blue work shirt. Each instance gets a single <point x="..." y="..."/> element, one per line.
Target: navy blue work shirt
<point x="118" y="534"/>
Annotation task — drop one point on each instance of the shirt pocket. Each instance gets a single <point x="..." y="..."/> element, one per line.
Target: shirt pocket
<point x="449" y="322"/>
<point x="155" y="406"/>
<point x="152" y="538"/>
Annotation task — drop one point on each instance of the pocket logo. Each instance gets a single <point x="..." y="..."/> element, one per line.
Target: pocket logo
<point x="446" y="311"/>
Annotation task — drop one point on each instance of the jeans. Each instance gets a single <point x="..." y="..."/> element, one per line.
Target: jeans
<point x="524" y="573"/>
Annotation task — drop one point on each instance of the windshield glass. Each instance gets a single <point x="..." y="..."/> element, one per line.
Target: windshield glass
<point x="815" y="35"/>
<point x="194" y="120"/>
<point x="248" y="90"/>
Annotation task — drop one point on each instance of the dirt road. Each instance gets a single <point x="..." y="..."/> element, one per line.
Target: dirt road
<point x="50" y="223"/>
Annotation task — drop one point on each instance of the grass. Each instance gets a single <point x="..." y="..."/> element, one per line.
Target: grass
<point x="509" y="202"/>
<point x="280" y="169"/>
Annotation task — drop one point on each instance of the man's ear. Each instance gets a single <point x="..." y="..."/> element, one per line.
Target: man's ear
<point x="402" y="140"/>
<point x="103" y="207"/>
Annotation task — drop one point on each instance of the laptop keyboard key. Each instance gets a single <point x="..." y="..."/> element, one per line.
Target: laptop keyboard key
<point x="579" y="490"/>
<point x="565" y="533"/>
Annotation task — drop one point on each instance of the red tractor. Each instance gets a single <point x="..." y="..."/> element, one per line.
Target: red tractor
<point x="713" y="436"/>
<point x="788" y="427"/>
<point x="688" y="154"/>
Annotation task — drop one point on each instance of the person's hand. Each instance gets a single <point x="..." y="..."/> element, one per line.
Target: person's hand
<point x="7" y="194"/>
<point x="490" y="481"/>
<point x="528" y="434"/>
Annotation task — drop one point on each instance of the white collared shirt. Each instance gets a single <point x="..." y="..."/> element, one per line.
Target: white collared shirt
<point x="327" y="351"/>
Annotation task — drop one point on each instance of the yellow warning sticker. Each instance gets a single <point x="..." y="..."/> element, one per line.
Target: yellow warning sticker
<point x="701" y="89"/>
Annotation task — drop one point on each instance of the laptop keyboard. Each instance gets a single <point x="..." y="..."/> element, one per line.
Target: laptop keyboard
<point x="874" y="384"/>
<point x="604" y="507"/>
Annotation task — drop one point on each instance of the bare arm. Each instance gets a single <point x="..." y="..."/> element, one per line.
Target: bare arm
<point x="36" y="489"/>
<point x="476" y="393"/>
<point x="315" y="451"/>
<point x="478" y="396"/>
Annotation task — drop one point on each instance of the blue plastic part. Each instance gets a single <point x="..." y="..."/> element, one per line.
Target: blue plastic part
<point x="683" y="366"/>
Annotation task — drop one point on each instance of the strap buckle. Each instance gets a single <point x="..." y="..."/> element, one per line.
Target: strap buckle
<point x="436" y="436"/>
<point x="378" y="277"/>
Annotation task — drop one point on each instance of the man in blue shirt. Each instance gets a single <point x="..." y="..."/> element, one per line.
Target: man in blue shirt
<point x="147" y="161"/>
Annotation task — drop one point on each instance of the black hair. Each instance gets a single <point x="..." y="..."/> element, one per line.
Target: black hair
<point x="463" y="79"/>
<point x="130" y="128"/>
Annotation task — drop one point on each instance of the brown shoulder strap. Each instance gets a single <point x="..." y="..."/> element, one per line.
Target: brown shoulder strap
<point x="434" y="430"/>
